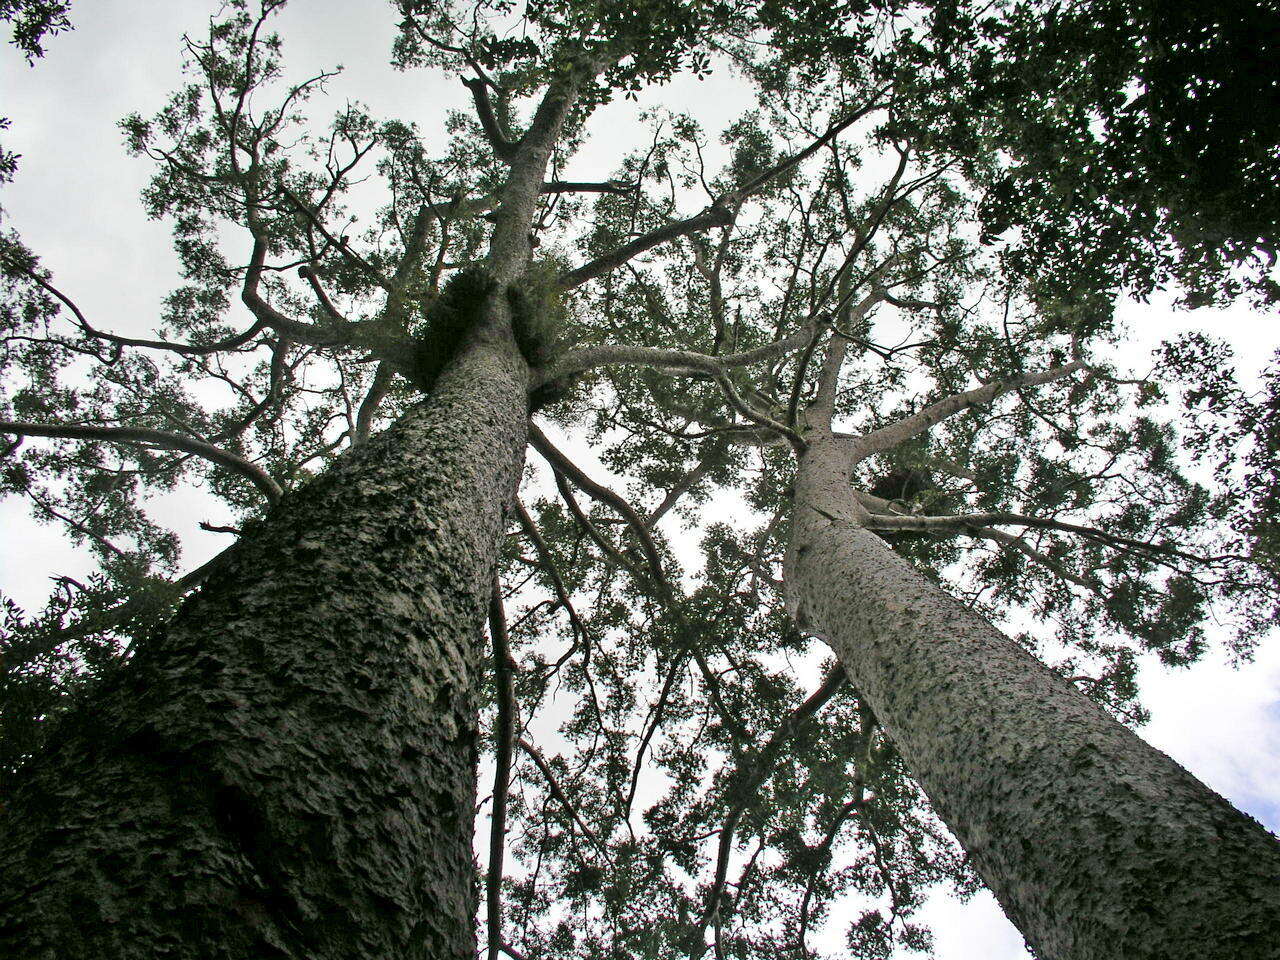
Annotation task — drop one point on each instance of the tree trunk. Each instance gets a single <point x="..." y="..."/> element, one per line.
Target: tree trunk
<point x="289" y="769"/>
<point x="1096" y="844"/>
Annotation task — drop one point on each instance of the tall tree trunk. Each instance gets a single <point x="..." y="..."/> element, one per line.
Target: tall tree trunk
<point x="1096" y="844"/>
<point x="289" y="769"/>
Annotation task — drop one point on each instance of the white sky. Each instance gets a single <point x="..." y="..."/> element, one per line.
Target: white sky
<point x="75" y="202"/>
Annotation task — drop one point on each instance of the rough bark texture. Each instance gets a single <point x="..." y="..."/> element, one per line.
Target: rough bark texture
<point x="1096" y="844"/>
<point x="289" y="770"/>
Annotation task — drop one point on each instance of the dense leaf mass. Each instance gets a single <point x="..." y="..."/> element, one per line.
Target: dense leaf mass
<point x="913" y="244"/>
<point x="32" y="21"/>
<point x="1151" y="129"/>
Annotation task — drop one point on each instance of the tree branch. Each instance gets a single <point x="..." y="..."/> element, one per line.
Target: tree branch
<point x="961" y="521"/>
<point x="339" y="243"/>
<point x="269" y="316"/>
<point x="678" y="362"/>
<point x="720" y="213"/>
<point x="755" y="416"/>
<point x="322" y="297"/>
<point x="570" y="186"/>
<point x="503" y="147"/>
<point x="824" y="401"/>
<point x="556" y="791"/>
<point x="122" y="612"/>
<point x="750" y="775"/>
<point x="890" y="436"/>
<point x="1019" y="545"/>
<point x="186" y="349"/>
<point x="650" y="728"/>
<point x="509" y="243"/>
<point x="757" y="183"/>
<point x="142" y="436"/>
<point x="563" y="467"/>
<point x="372" y="400"/>
<point x="868" y="725"/>
<point x="685" y="484"/>
<point x="716" y="215"/>
<point x="553" y="573"/>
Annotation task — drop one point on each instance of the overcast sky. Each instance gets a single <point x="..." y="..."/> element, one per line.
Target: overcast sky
<point x="75" y="202"/>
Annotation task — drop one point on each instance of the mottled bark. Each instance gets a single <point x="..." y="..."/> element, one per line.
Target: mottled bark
<point x="289" y="769"/>
<point x="1096" y="844"/>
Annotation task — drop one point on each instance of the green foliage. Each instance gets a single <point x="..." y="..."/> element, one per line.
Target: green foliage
<point x="51" y="663"/>
<point x="538" y="311"/>
<point x="1114" y="142"/>
<point x="450" y="319"/>
<point x="1145" y="126"/>
<point x="645" y="42"/>
<point x="538" y="315"/>
<point x="34" y="20"/>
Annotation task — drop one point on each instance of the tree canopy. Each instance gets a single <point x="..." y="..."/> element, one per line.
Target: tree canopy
<point x="914" y="241"/>
<point x="31" y="21"/>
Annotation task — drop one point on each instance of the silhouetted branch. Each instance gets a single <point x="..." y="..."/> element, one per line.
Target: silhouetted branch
<point x="145" y="437"/>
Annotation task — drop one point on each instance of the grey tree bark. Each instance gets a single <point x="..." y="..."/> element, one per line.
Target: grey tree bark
<point x="288" y="770"/>
<point x="1096" y="844"/>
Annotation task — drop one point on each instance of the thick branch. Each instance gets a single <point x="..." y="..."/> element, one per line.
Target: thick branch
<point x="1019" y="545"/>
<point x="269" y="316"/>
<point x="322" y="297"/>
<point x="602" y="493"/>
<point x="884" y="511"/>
<point x="142" y="436"/>
<point x="372" y="400"/>
<point x="824" y="401"/>
<point x="673" y="361"/>
<point x="711" y="272"/>
<point x="717" y="215"/>
<point x="757" y="417"/>
<point x="890" y="436"/>
<point x="493" y="132"/>
<point x="509" y="245"/>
